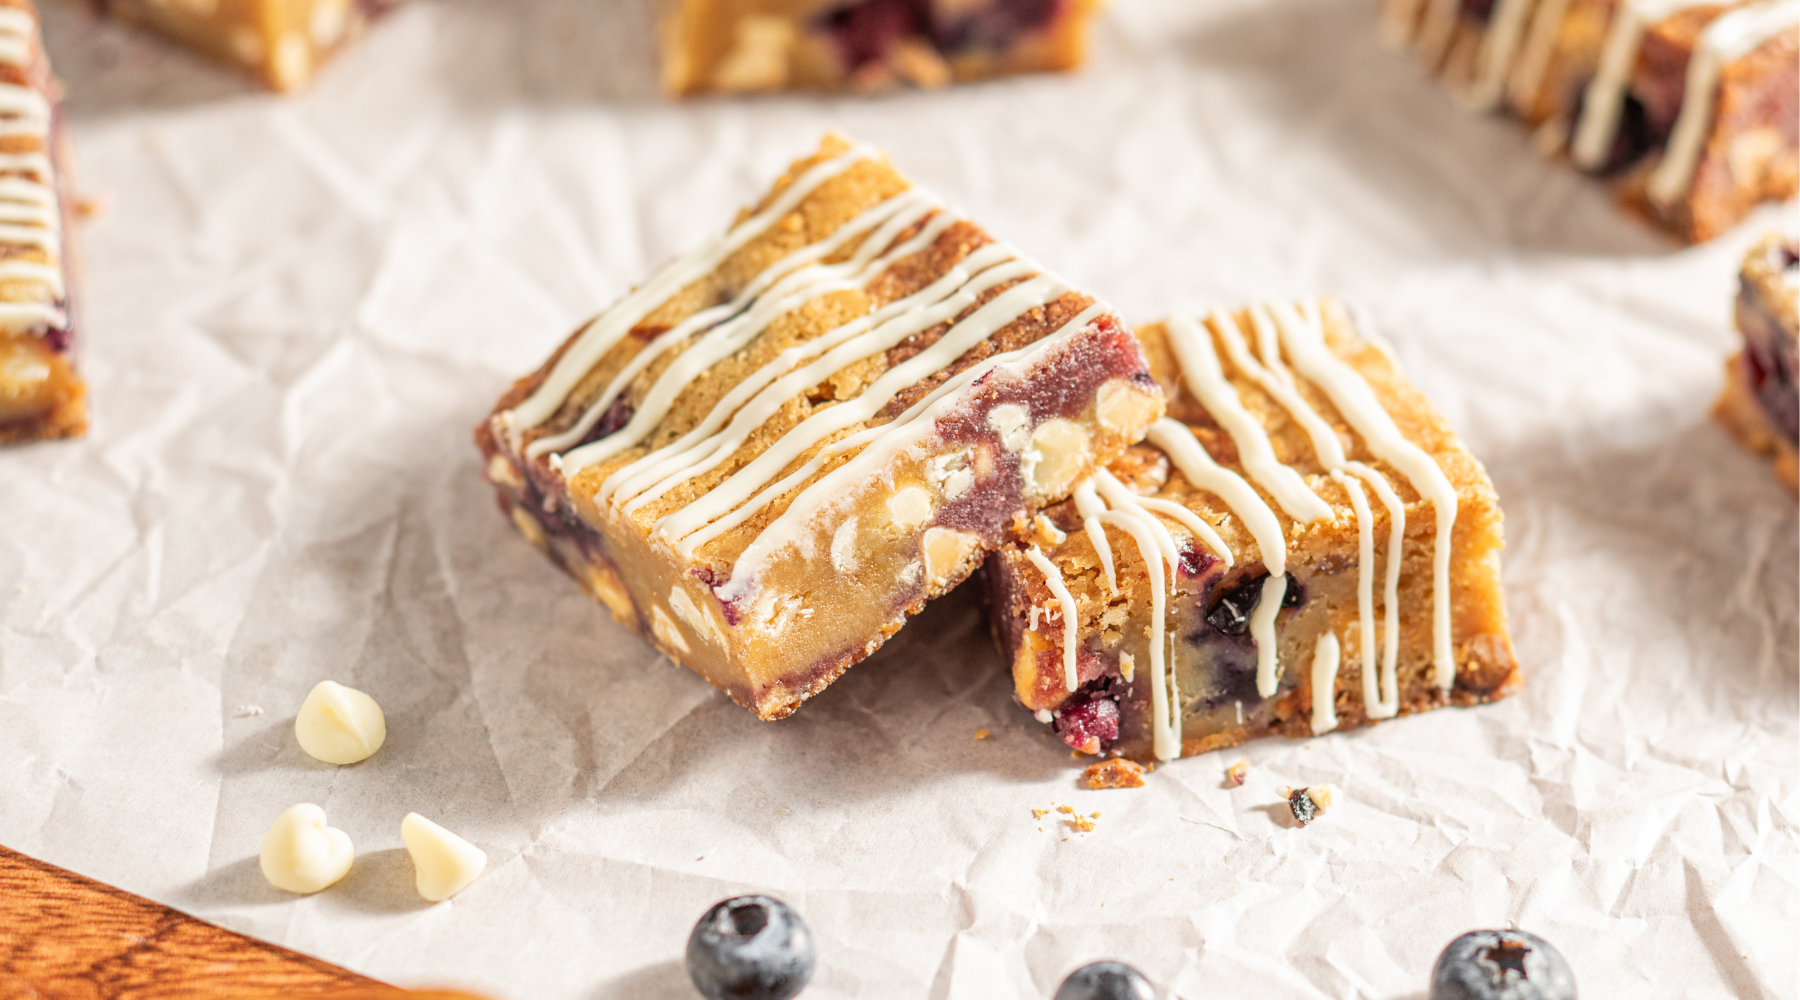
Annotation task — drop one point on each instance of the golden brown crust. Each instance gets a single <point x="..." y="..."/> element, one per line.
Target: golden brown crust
<point x="280" y="42"/>
<point x="744" y="46"/>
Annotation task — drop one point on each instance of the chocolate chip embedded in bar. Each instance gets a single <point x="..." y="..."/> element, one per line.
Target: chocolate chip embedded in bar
<point x="41" y="395"/>
<point x="1761" y="400"/>
<point x="789" y="439"/>
<point x="283" y="42"/>
<point x="1302" y="545"/>
<point x="765" y="45"/>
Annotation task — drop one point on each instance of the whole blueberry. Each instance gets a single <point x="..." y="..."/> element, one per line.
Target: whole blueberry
<point x="750" y="948"/>
<point x="1501" y="965"/>
<point x="1106" y="981"/>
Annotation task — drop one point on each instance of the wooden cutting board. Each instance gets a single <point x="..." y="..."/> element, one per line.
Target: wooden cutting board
<point x="65" y="936"/>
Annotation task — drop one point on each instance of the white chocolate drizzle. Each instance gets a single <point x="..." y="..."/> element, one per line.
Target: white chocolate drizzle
<point x="1326" y="654"/>
<point x="1303" y="336"/>
<point x="1733" y="36"/>
<point x="1065" y="604"/>
<point x="1104" y="501"/>
<point x="30" y="213"/>
<point x="1499" y="48"/>
<point x="1201" y="372"/>
<point x="1526" y="78"/>
<point x="1603" y="103"/>
<point x="607" y="329"/>
<point x="731" y="502"/>
<point x="780" y="288"/>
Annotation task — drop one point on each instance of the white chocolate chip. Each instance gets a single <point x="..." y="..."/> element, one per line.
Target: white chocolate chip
<point x="1121" y="406"/>
<point x="1012" y="424"/>
<point x="339" y="725"/>
<point x="697" y="619"/>
<point x="951" y="475"/>
<point x="443" y="863"/>
<point x="945" y="550"/>
<point x="1059" y="453"/>
<point x="301" y="854"/>
<point x="501" y="472"/>
<point x="843" y="547"/>
<point x="292" y="63"/>
<point x="665" y="629"/>
<point x="909" y="508"/>
<point x="1322" y="795"/>
<point x="528" y="526"/>
<point x="1127" y="666"/>
<point x="326" y="25"/>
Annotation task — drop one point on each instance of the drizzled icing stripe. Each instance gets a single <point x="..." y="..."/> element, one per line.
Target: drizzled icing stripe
<point x="1732" y="36"/>
<point x="1527" y="78"/>
<point x="878" y="446"/>
<point x="788" y="282"/>
<point x="16" y="30"/>
<point x="1089" y="505"/>
<point x="1065" y="604"/>
<point x="1206" y="379"/>
<point x="901" y="324"/>
<point x="29" y="213"/>
<point x="1185" y="450"/>
<point x="1365" y="589"/>
<point x="607" y="329"/>
<point x="693" y="525"/>
<point x="1383" y="701"/>
<point x="630" y="482"/>
<point x="1326" y="655"/>
<point x="1304" y="338"/>
<point x="1164" y="709"/>
<point x="1603" y="103"/>
<point x="1499" y="48"/>
<point x="1273" y="378"/>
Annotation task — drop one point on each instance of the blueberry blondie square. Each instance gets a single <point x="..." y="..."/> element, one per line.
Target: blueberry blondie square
<point x="1301" y="545"/>
<point x="1761" y="401"/>
<point x="281" y="42"/>
<point x="1692" y="108"/>
<point x="41" y="395"/>
<point x="789" y="439"/>
<point x="762" y="45"/>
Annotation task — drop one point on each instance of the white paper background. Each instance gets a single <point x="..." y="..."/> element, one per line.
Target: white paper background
<point x="298" y="309"/>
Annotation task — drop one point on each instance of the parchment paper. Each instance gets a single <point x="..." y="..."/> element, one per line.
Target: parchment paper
<point x="297" y="309"/>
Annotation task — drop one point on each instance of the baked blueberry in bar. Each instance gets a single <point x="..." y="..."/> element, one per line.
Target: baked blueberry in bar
<point x="1301" y="545"/>
<point x="41" y="396"/>
<point x="1761" y="404"/>
<point x="732" y="46"/>
<point x="282" y="42"/>
<point x="788" y="440"/>
<point x="1693" y="107"/>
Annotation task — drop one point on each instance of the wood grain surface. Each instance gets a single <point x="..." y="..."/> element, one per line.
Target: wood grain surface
<point x="66" y="936"/>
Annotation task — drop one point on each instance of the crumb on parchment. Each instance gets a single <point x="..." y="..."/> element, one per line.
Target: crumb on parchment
<point x="1238" y="771"/>
<point x="1115" y="773"/>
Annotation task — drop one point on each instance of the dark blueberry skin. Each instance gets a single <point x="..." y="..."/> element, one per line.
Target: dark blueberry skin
<point x="1106" y="981"/>
<point x="1501" y="965"/>
<point x="750" y="948"/>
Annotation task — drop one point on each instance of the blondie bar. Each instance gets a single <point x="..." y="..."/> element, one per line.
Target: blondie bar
<point x="1301" y="545"/>
<point x="1691" y="106"/>
<point x="282" y="42"/>
<point x="1761" y="404"/>
<point x="762" y="45"/>
<point x="41" y="395"/>
<point x="788" y="440"/>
